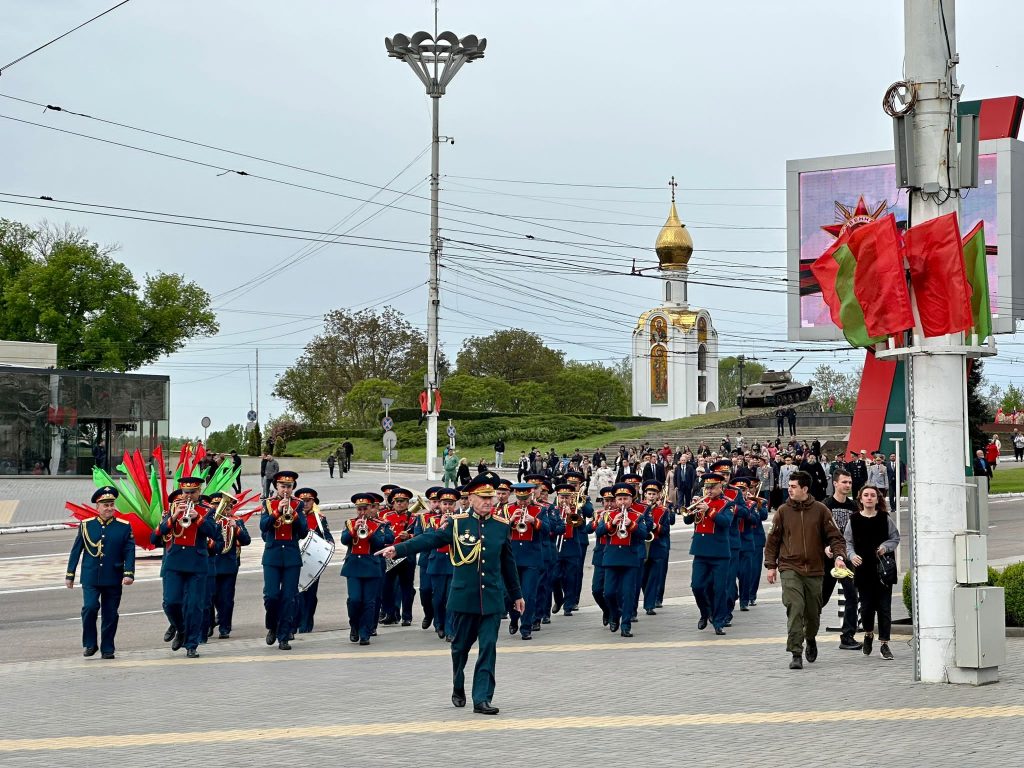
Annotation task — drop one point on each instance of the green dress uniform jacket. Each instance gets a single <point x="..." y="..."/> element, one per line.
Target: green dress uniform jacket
<point x="483" y="562"/>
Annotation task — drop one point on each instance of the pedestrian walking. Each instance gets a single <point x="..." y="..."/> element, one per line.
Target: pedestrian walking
<point x="499" y="454"/>
<point x="841" y="505"/>
<point x="1018" y="445"/>
<point x="791" y="418"/>
<point x="270" y="468"/>
<point x="236" y="464"/>
<point x="794" y="547"/>
<point x="871" y="534"/>
<point x="330" y="464"/>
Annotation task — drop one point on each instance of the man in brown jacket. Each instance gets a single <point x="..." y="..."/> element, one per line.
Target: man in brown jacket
<point x="801" y="529"/>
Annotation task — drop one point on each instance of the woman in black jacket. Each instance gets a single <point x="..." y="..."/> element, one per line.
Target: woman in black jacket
<point x="819" y="482"/>
<point x="870" y="533"/>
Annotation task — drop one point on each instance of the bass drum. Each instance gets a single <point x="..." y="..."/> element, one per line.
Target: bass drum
<point x="316" y="554"/>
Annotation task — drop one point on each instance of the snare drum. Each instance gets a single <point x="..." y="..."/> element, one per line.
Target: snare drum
<point x="316" y="554"/>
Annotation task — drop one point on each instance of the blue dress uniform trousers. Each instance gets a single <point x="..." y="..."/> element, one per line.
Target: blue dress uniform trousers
<point x="224" y="601"/>
<point x="529" y="576"/>
<point x="655" y="571"/>
<point x="363" y="594"/>
<point x="426" y="589"/>
<point x="746" y="560"/>
<point x="184" y="592"/>
<point x="307" y="602"/>
<point x="209" y="593"/>
<point x="709" y="581"/>
<point x="620" y="593"/>
<point x="109" y="597"/>
<point x="280" y="590"/>
<point x="440" y="586"/>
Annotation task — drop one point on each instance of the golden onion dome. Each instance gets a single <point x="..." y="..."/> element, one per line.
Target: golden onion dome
<point x="674" y="245"/>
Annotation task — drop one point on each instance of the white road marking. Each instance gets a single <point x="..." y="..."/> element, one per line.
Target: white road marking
<point x="137" y="581"/>
<point x="121" y="615"/>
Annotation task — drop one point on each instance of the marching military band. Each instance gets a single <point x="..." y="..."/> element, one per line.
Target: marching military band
<point x="487" y="551"/>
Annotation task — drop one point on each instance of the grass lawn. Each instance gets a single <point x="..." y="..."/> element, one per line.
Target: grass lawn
<point x="370" y="450"/>
<point x="1008" y="478"/>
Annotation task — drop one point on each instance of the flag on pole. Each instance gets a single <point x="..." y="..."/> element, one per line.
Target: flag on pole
<point x="825" y="270"/>
<point x="976" y="266"/>
<point x="937" y="272"/>
<point x="850" y="311"/>
<point x="880" y="285"/>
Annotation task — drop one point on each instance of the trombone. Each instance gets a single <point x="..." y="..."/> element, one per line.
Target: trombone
<point x="697" y="515"/>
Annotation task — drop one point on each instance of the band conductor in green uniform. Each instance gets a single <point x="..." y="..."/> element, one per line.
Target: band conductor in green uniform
<point x="485" y="569"/>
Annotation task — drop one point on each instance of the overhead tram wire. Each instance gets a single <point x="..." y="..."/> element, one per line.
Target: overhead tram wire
<point x="616" y="186"/>
<point x="61" y="37"/>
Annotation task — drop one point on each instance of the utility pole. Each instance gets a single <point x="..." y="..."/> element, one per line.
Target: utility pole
<point x="435" y="59"/>
<point x="740" y="360"/>
<point x="936" y="367"/>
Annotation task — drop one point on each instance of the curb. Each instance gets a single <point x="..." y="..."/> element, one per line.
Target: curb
<point x="908" y="630"/>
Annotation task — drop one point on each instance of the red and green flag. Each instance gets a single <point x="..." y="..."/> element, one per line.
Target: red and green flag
<point x="879" y="281"/>
<point x="937" y="272"/>
<point x="976" y="268"/>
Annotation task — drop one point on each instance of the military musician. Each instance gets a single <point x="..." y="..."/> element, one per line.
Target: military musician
<point x="306" y="602"/>
<point x="439" y="567"/>
<point x="106" y="548"/>
<point x="283" y="526"/>
<point x="398" y="589"/>
<point x="424" y="521"/>
<point x="626" y="529"/>
<point x="228" y="559"/>
<point x="569" y="549"/>
<point x="655" y="567"/>
<point x="528" y="529"/>
<point x="709" y="580"/>
<point x="363" y="535"/>
<point x="484" y="566"/>
<point x="607" y="495"/>
<point x="576" y="478"/>
<point x="186" y="532"/>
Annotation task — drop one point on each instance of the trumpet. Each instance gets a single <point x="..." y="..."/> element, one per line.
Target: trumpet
<point x="622" y="525"/>
<point x="519" y="516"/>
<point x="288" y="516"/>
<point x="187" y="515"/>
<point x="698" y="515"/>
<point x="362" y="529"/>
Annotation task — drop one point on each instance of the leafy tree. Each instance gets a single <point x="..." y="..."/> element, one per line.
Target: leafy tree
<point x="232" y="437"/>
<point x="462" y="392"/>
<point x="729" y="378"/>
<point x="515" y="356"/>
<point x="978" y="412"/>
<point x="362" y="403"/>
<point x="354" y="346"/>
<point x="589" y="388"/>
<point x="830" y="382"/>
<point x="623" y="369"/>
<point x="58" y="287"/>
<point x="1012" y="400"/>
<point x="533" y="397"/>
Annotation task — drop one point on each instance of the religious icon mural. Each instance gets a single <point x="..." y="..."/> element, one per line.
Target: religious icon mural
<point x="659" y="374"/>
<point x="659" y="331"/>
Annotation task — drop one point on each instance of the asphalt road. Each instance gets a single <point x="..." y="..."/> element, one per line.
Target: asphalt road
<point x="39" y="617"/>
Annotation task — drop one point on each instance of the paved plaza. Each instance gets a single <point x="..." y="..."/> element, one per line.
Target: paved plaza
<point x="576" y="695"/>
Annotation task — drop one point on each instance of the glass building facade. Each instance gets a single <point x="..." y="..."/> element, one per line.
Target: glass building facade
<point x="55" y="422"/>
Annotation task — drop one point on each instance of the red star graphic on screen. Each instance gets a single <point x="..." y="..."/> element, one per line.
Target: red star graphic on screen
<point x="851" y="219"/>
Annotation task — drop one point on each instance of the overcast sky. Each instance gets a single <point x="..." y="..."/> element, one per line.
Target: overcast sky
<point x="607" y="100"/>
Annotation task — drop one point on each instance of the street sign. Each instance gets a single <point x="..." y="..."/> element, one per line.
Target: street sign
<point x="388" y="456"/>
<point x="250" y="416"/>
<point x="387" y="422"/>
<point x="390" y="440"/>
<point x="387" y="402"/>
<point x="451" y="430"/>
<point x="206" y="422"/>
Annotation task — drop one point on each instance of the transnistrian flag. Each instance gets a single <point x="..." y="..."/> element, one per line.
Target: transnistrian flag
<point x="937" y="273"/>
<point x="825" y="269"/>
<point x="851" y="313"/>
<point x="879" y="281"/>
<point x="976" y="265"/>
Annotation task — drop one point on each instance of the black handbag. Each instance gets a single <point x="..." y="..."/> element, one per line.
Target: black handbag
<point x="887" y="569"/>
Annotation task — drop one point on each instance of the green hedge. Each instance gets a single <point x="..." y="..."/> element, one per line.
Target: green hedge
<point x="413" y="414"/>
<point x="307" y="433"/>
<point x="540" y="430"/>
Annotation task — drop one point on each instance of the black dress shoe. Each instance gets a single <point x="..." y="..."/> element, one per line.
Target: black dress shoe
<point x="744" y="608"/>
<point x="728" y="623"/>
<point x="425" y="624"/>
<point x="604" y="618"/>
<point x="557" y="608"/>
<point x="658" y="604"/>
<point x="107" y="655"/>
<point x="271" y="636"/>
<point x="719" y="631"/>
<point x="388" y="621"/>
<point x="364" y="641"/>
<point x="797" y="662"/>
<point x="179" y="640"/>
<point x="613" y="626"/>
<point x="353" y="636"/>
<point x="485" y="708"/>
<point x="90" y="651"/>
<point x="373" y="633"/>
<point x="169" y="634"/>
<point x="812" y="651"/>
<point x="545" y="620"/>
<point x="703" y="623"/>
<point x="513" y="626"/>
<point x="406" y="623"/>
<point x="209" y="631"/>
<point x="527" y="636"/>
<point x="449" y="638"/>
<point x="192" y="653"/>
<point x="752" y="602"/>
<point x="625" y="633"/>
<point x="223" y="635"/>
<point x="650" y="612"/>
<point x="567" y="612"/>
<point x="284" y="645"/>
<point x="459" y="697"/>
<point x="536" y="626"/>
<point x="440" y="634"/>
